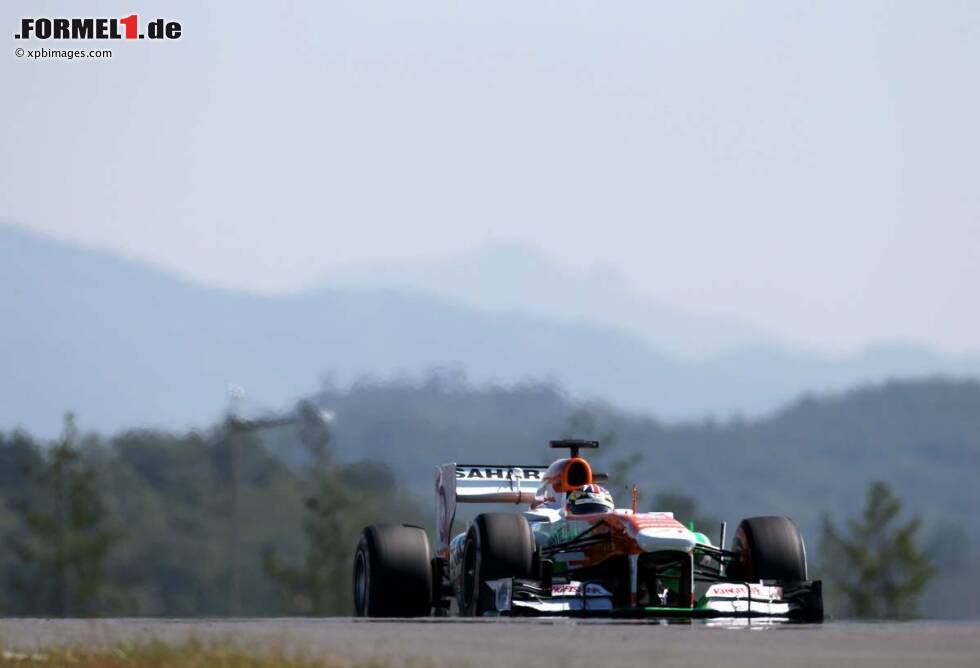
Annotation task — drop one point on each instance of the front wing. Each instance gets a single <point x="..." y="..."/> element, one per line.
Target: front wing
<point x="788" y="601"/>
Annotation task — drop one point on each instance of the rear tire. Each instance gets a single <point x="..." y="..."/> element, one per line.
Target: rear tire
<point x="498" y="545"/>
<point x="392" y="572"/>
<point x="771" y="548"/>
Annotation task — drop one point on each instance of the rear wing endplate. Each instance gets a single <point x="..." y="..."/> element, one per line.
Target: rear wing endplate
<point x="479" y="483"/>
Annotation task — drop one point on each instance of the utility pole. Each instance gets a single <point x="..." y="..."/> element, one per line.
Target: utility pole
<point x="61" y="529"/>
<point x="236" y="429"/>
<point x="235" y="396"/>
<point x="61" y="460"/>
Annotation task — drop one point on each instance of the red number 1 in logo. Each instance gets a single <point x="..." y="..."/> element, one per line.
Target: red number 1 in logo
<point x="130" y="23"/>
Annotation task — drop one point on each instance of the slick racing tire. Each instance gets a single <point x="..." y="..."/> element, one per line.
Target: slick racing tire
<point x="771" y="548"/>
<point x="392" y="572"/>
<point x="498" y="545"/>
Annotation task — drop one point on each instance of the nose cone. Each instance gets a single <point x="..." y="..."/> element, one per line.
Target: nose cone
<point x="665" y="539"/>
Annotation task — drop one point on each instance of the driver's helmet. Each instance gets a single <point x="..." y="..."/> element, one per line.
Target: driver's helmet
<point x="589" y="499"/>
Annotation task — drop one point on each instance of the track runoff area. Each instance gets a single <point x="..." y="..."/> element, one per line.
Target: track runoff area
<point x="541" y="642"/>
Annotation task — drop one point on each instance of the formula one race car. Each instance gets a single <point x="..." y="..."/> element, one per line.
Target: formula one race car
<point x="572" y="553"/>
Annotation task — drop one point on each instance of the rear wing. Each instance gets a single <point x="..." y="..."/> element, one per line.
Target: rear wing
<point x="479" y="483"/>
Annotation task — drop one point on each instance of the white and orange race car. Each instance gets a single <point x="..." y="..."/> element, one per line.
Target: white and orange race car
<point x="571" y="553"/>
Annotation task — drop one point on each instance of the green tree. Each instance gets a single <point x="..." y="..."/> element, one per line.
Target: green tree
<point x="874" y="562"/>
<point x="318" y="585"/>
<point x="346" y="498"/>
<point x="65" y="538"/>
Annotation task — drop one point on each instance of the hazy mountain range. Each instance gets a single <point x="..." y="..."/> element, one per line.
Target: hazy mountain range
<point x="506" y="277"/>
<point x="123" y="343"/>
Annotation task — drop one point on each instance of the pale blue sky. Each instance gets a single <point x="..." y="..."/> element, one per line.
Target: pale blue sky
<point x="808" y="168"/>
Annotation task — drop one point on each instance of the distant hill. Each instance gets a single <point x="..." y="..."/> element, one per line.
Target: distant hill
<point x="814" y="456"/>
<point x="122" y="343"/>
<point x="505" y="277"/>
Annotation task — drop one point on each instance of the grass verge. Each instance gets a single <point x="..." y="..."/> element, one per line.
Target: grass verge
<point x="160" y="655"/>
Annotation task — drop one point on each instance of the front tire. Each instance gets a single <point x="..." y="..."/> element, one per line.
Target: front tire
<point x="392" y="572"/>
<point x="771" y="548"/>
<point x="498" y="545"/>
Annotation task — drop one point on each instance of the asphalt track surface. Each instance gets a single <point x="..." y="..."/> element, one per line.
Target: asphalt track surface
<point x="543" y="643"/>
